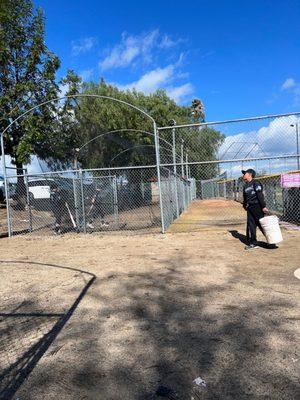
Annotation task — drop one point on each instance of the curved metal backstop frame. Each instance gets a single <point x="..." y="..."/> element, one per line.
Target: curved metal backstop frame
<point x="155" y="133"/>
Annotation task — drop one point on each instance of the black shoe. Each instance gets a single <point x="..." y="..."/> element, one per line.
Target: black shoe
<point x="272" y="246"/>
<point x="251" y="246"/>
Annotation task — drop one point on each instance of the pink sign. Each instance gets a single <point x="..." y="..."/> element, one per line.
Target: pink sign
<point x="290" y="180"/>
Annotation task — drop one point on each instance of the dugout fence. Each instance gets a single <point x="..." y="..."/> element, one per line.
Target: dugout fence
<point x="195" y="162"/>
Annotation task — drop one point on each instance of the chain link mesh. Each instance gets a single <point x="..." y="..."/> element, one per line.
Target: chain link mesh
<point x="213" y="155"/>
<point x="199" y="162"/>
<point x="85" y="201"/>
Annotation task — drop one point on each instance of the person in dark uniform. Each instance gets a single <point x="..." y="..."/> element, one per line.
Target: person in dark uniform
<point x="255" y="205"/>
<point x="58" y="199"/>
<point x="96" y="210"/>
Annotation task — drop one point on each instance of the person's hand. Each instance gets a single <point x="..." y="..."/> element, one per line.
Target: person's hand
<point x="265" y="210"/>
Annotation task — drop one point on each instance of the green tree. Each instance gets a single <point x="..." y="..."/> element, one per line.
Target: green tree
<point x="98" y="116"/>
<point x="27" y="78"/>
<point x="65" y="130"/>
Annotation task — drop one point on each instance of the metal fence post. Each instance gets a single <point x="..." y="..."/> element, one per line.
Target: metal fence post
<point x="82" y="202"/>
<point x="181" y="157"/>
<point x="28" y="201"/>
<point x="184" y="193"/>
<point x="174" y="149"/>
<point x="176" y="196"/>
<point x="175" y="171"/>
<point x="235" y="189"/>
<point x="75" y="190"/>
<point x="115" y="195"/>
<point x="6" y="189"/>
<point x="186" y="165"/>
<point x="157" y="153"/>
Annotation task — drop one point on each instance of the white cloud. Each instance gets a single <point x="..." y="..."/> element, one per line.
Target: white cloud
<point x="288" y="84"/>
<point x="277" y="138"/>
<point x="179" y="93"/>
<point x="83" y="45"/>
<point x="167" y="42"/>
<point x="292" y="86"/>
<point x="143" y="48"/>
<point x="146" y="48"/>
<point x="262" y="167"/>
<point x="130" y="47"/>
<point x="161" y="78"/>
<point x="152" y="80"/>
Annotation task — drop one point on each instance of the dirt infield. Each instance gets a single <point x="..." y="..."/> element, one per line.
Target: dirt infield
<point x="115" y="317"/>
<point x="209" y="213"/>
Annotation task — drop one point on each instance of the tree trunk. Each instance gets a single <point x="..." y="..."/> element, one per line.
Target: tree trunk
<point x="20" y="188"/>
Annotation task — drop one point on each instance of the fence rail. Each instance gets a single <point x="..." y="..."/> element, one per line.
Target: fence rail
<point x="203" y="164"/>
<point x="214" y="153"/>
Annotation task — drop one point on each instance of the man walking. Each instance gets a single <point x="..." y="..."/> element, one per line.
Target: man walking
<point x="255" y="205"/>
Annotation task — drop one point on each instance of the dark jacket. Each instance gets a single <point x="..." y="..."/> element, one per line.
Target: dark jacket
<point x="253" y="194"/>
<point x="58" y="199"/>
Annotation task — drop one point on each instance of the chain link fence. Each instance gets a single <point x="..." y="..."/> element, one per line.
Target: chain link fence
<point x="97" y="200"/>
<point x="212" y="155"/>
<point x="85" y="201"/>
<point x="177" y="193"/>
<point x="199" y="164"/>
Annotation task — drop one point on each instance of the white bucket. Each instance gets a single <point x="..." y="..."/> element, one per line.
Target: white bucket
<point x="271" y="229"/>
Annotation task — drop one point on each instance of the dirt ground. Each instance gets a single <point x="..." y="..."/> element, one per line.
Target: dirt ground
<point x="41" y="222"/>
<point x="209" y="213"/>
<point x="116" y="317"/>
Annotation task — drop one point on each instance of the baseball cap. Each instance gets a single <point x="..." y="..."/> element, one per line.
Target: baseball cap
<point x="250" y="170"/>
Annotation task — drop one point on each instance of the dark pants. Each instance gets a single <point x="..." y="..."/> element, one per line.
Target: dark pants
<point x="254" y="213"/>
<point x="96" y="212"/>
<point x="59" y="212"/>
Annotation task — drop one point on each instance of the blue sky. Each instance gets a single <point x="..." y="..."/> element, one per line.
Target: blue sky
<point x="241" y="58"/>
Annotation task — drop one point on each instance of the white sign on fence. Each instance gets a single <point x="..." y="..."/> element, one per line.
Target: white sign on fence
<point x="290" y="180"/>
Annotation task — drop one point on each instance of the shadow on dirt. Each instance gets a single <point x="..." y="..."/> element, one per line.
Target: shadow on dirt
<point x="162" y="329"/>
<point x="243" y="239"/>
<point x="26" y="336"/>
<point x="159" y="329"/>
